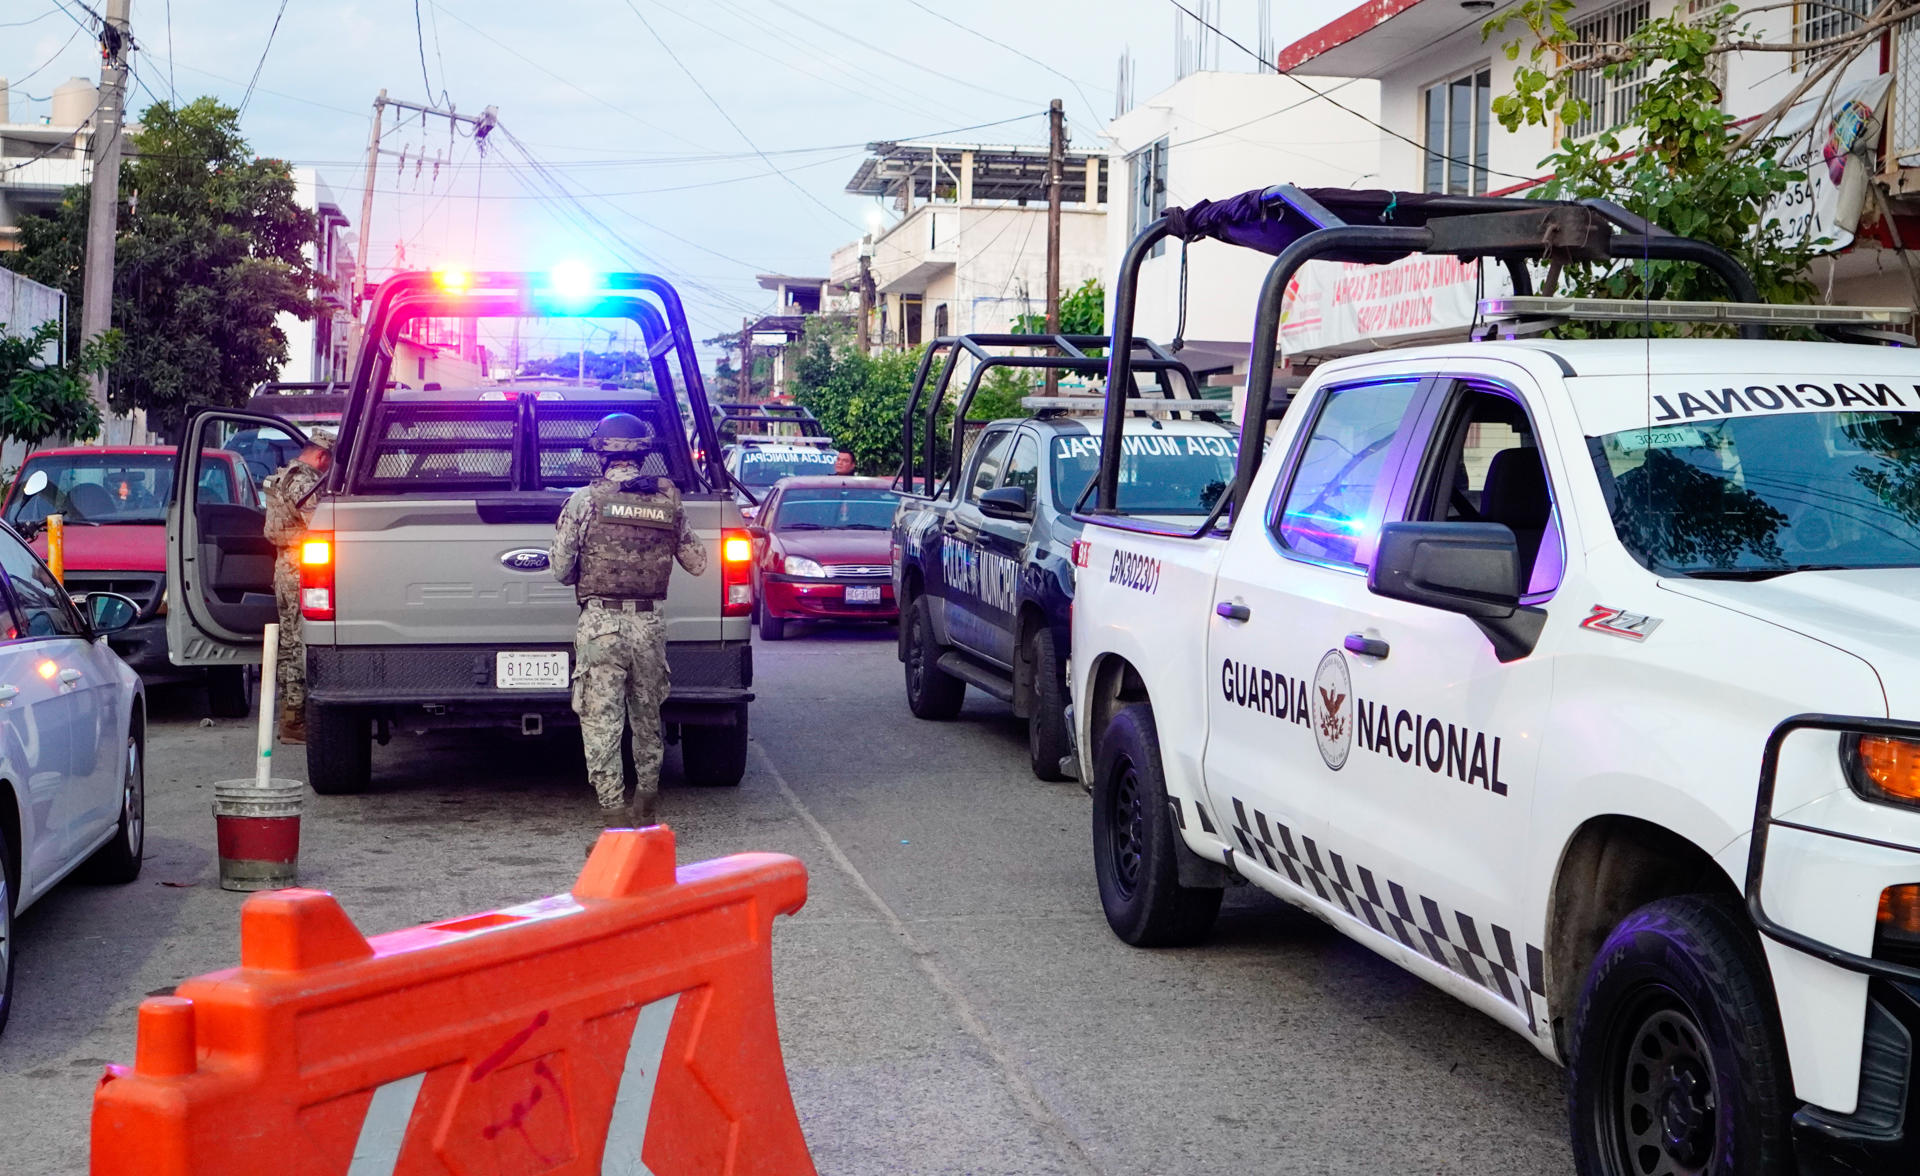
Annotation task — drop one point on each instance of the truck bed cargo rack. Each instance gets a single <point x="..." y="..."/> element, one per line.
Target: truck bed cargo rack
<point x="1063" y="353"/>
<point x="733" y="414"/>
<point x="1377" y="227"/>
<point x="1049" y="407"/>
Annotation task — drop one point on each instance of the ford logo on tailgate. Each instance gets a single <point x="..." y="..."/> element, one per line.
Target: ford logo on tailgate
<point x="525" y="559"/>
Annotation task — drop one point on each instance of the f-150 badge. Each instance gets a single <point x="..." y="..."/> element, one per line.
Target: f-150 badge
<point x="1618" y="622"/>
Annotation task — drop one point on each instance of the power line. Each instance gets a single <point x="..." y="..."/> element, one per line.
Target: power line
<point x="71" y="38"/>
<point x="173" y="95"/>
<point x="738" y="129"/>
<point x="420" y="39"/>
<point x="937" y="15"/>
<point x="262" y="63"/>
<point x="15" y="24"/>
<point x="1323" y="96"/>
<point x="919" y="65"/>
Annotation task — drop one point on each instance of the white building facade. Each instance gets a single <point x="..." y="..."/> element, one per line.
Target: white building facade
<point x="317" y="348"/>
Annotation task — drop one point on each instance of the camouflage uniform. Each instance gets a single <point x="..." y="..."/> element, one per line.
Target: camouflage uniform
<point x="289" y="500"/>
<point x="616" y="543"/>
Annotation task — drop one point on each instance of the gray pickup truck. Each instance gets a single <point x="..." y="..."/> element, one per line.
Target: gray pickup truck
<point x="426" y="596"/>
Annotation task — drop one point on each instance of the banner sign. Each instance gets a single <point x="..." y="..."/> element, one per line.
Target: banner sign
<point x="1335" y="306"/>
<point x="1830" y="138"/>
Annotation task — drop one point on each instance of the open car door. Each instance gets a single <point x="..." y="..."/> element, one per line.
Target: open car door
<point x="219" y="562"/>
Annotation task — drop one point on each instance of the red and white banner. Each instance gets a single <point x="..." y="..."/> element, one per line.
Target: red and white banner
<point x="1343" y="306"/>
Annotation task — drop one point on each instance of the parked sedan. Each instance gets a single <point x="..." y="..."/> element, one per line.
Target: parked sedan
<point x="823" y="552"/>
<point x="72" y="742"/>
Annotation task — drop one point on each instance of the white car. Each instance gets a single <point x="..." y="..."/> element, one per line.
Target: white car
<point x="1498" y="673"/>
<point x="72" y="743"/>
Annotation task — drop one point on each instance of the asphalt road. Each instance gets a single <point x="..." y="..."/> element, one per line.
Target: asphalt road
<point x="950" y="1000"/>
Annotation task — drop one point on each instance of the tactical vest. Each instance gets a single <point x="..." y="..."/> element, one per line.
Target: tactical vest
<point x="627" y="550"/>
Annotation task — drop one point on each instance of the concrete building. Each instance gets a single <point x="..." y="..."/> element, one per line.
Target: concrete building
<point x="39" y="161"/>
<point x="24" y="305"/>
<point x="1209" y="136"/>
<point x="1438" y="75"/>
<point x="317" y="348"/>
<point x="968" y="251"/>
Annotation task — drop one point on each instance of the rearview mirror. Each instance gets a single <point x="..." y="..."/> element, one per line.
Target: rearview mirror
<point x="1008" y="502"/>
<point x="1468" y="568"/>
<point x="110" y="612"/>
<point x="36" y="482"/>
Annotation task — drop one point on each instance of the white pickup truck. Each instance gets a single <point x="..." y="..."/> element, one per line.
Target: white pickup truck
<point x="1575" y="678"/>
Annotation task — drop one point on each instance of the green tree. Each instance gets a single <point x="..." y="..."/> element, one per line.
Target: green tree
<point x="1082" y="312"/>
<point x="860" y="399"/>
<point x="39" y="399"/>
<point x="1680" y="160"/>
<point x="211" y="250"/>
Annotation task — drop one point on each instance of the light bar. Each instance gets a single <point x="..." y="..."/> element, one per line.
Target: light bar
<point x="1622" y="310"/>
<point x="1133" y="404"/>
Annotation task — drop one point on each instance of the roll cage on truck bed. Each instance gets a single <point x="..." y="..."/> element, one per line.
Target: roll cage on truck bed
<point x="1714" y="996"/>
<point x="432" y="525"/>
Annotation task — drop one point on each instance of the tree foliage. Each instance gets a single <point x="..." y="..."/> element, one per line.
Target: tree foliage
<point x="1680" y="160"/>
<point x="1082" y="312"/>
<point x="860" y="399"/>
<point x="38" y="399"/>
<point x="211" y="250"/>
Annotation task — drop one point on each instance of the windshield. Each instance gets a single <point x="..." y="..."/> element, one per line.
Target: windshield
<point x="1751" y="497"/>
<point x="762" y="467"/>
<point x="835" y="509"/>
<point x="109" y="488"/>
<point x="1160" y="473"/>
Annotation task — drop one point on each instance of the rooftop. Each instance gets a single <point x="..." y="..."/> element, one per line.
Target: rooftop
<point x="1376" y="38"/>
<point x="999" y="172"/>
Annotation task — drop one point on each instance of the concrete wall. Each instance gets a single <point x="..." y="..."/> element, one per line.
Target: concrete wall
<point x="1227" y="133"/>
<point x="985" y="263"/>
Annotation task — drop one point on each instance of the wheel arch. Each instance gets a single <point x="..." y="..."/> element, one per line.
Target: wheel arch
<point x="1113" y="682"/>
<point x="1029" y="620"/>
<point x="10" y="833"/>
<point x="1612" y="865"/>
<point x="912" y="586"/>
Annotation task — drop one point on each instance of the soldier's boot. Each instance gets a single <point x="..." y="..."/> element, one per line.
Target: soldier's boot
<point x="293" y="723"/>
<point x="643" y="809"/>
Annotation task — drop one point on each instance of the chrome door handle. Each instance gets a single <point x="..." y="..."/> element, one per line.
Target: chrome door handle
<point x="1232" y="611"/>
<point x="69" y="676"/>
<point x="1366" y="646"/>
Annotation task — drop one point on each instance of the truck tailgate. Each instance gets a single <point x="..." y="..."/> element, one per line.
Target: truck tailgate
<point x="419" y="570"/>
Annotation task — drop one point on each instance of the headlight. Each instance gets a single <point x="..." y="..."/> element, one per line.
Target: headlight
<point x="793" y="565"/>
<point x="1883" y="769"/>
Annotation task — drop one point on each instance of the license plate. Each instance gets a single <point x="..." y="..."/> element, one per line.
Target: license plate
<point x="538" y="670"/>
<point x="864" y="595"/>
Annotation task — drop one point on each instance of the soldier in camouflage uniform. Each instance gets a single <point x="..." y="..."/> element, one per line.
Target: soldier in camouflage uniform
<point x="289" y="495"/>
<point x="616" y="543"/>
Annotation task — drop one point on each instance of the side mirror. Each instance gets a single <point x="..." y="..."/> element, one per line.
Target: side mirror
<point x="1468" y="568"/>
<point x="36" y="482"/>
<point x="1007" y="502"/>
<point x="110" y="612"/>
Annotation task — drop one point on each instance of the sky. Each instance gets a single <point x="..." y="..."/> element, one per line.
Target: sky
<point x="705" y="140"/>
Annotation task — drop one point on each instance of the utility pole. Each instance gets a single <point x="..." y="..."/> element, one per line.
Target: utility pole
<point x="359" y="292"/>
<point x="482" y="123"/>
<point x="864" y="333"/>
<point x="745" y="379"/>
<point x="1056" y="169"/>
<point x="103" y="208"/>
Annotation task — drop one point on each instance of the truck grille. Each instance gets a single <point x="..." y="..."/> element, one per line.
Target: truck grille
<point x="142" y="588"/>
<point x="858" y="571"/>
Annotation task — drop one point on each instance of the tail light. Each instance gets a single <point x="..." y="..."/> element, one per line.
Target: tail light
<point x="736" y="572"/>
<point x="316" y="576"/>
<point x="1082" y="550"/>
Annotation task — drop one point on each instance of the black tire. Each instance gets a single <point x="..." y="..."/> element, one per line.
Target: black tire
<point x="118" y="861"/>
<point x="1679" y="1065"/>
<point x="1133" y="841"/>
<point x="714" y="757"/>
<point x="230" y="691"/>
<point x="1047" y="725"/>
<point x="772" y="628"/>
<point x="932" y="693"/>
<point x="6" y="934"/>
<point x="339" y="749"/>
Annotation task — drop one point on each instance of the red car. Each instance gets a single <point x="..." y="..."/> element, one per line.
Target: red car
<point x="823" y="552"/>
<point x="114" y="499"/>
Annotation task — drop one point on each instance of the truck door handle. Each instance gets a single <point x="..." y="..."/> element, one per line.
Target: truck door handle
<point x="1232" y="611"/>
<point x="69" y="676"/>
<point x="1366" y="646"/>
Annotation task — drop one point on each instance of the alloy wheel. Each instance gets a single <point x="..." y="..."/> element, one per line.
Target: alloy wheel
<point x="1126" y="830"/>
<point x="133" y="799"/>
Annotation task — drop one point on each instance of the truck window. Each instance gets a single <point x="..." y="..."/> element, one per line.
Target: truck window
<point x="987" y="460"/>
<point x="1023" y="468"/>
<point x="1335" y="495"/>
<point x="1489" y="469"/>
<point x="1161" y="473"/>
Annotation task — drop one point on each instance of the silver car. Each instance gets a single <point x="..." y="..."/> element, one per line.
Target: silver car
<point x="72" y="732"/>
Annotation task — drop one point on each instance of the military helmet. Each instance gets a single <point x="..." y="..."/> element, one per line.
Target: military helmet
<point x="321" y="439"/>
<point x="620" y="432"/>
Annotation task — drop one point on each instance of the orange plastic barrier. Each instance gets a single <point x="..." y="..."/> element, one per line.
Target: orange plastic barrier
<point x="626" y="1027"/>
